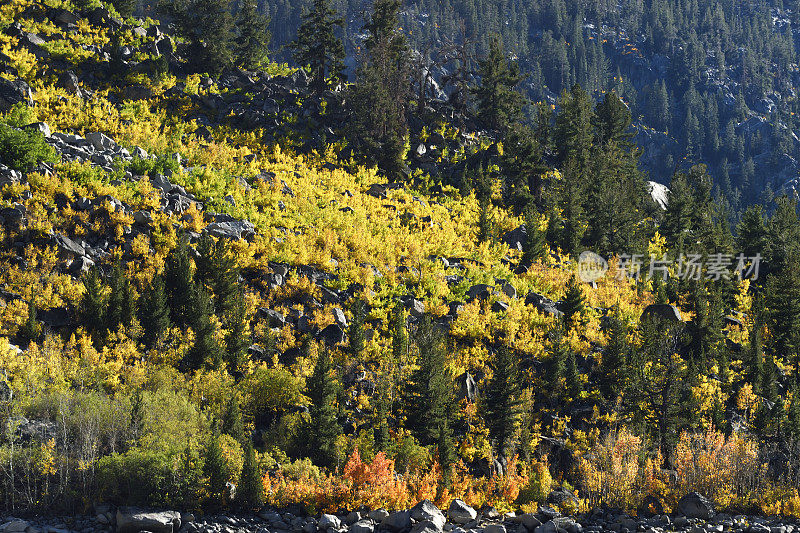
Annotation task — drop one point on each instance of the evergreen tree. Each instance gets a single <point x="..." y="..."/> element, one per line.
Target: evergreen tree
<point x="209" y="26"/>
<point x="379" y="98"/>
<point x="252" y="37"/>
<point x="154" y="313"/>
<point x="483" y="191"/>
<point x="382" y="413"/>
<point x="782" y="303"/>
<point x="535" y="245"/>
<point x="121" y="304"/>
<point x="573" y="129"/>
<point x="125" y="8"/>
<point x="793" y="414"/>
<point x="178" y="284"/>
<point x="323" y="428"/>
<point x="217" y="270"/>
<point x="250" y="492"/>
<point x="237" y="336"/>
<point x="429" y="392"/>
<point x="92" y="308"/>
<point x="612" y="121"/>
<point x="205" y="350"/>
<point x="355" y="332"/>
<point x="318" y="46"/>
<point x="31" y="329"/>
<point x="232" y="420"/>
<point x="214" y="467"/>
<point x="499" y="104"/>
<point x="574" y="302"/>
<point x="615" y="357"/>
<point x="399" y="333"/>
<point x="502" y="400"/>
<point x="522" y="168"/>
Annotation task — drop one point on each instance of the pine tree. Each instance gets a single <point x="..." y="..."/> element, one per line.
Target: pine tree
<point x="793" y="414"/>
<point x="522" y="168"/>
<point x="572" y="375"/>
<point x="483" y="191"/>
<point x="611" y="121"/>
<point x="154" y="313"/>
<point x="323" y="428"/>
<point x="380" y="96"/>
<point x="252" y="37"/>
<point x="429" y="391"/>
<point x="535" y="245"/>
<point x="502" y="400"/>
<point x="31" y="329"/>
<point x="382" y="413"/>
<point x="615" y="357"/>
<point x="574" y="303"/>
<point x="205" y="351"/>
<point x="318" y="46"/>
<point x="573" y="129"/>
<point x="399" y="333"/>
<point x="250" y="492"/>
<point x="209" y="25"/>
<point x="121" y="304"/>
<point x="499" y="104"/>
<point x="214" y="467"/>
<point x="355" y="332"/>
<point x="178" y="284"/>
<point x="232" y="420"/>
<point x="217" y="270"/>
<point x="92" y="308"/>
<point x="237" y="336"/>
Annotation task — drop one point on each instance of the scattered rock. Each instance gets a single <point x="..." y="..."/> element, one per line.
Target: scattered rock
<point x="14" y="92"/>
<point x="695" y="505"/>
<point x="427" y="511"/>
<point x="666" y="312"/>
<point x="460" y="513"/>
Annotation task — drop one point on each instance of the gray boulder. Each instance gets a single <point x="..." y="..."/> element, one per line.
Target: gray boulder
<point x="101" y="141"/>
<point x="338" y="316"/>
<point x="543" y="304"/>
<point x="460" y="513"/>
<point x="378" y="515"/>
<point x="426" y="526"/>
<point x="529" y="521"/>
<point x="14" y="92"/>
<point x="329" y="521"/>
<point x="362" y="526"/>
<point x="397" y="522"/>
<point x="695" y="505"/>
<point x="426" y="510"/>
<point x="134" y="521"/>
<point x="516" y="238"/>
<point x="332" y="335"/>
<point x="666" y="312"/>
<point x="237" y="229"/>
<point x="17" y="526"/>
<point x="68" y="246"/>
<point x="494" y="528"/>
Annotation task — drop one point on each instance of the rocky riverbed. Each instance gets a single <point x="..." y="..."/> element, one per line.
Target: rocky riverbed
<point x="694" y="514"/>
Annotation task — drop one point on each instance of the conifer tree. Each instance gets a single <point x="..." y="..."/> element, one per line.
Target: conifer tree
<point x="499" y="104"/>
<point x="615" y="357"/>
<point x="323" y="427"/>
<point x="121" y="304"/>
<point x="535" y="245"/>
<point x="217" y="270"/>
<point x="522" y="168"/>
<point x="252" y="37"/>
<point x="793" y="414"/>
<point x="232" y="424"/>
<point x="31" y="329"/>
<point x="429" y="392"/>
<point x="574" y="302"/>
<point x="611" y="121"/>
<point x="250" y="492"/>
<point x="210" y="29"/>
<point x="399" y="333"/>
<point x="318" y="46"/>
<point x="355" y="332"/>
<point x="573" y="129"/>
<point x="154" y="313"/>
<point x="237" y="336"/>
<point x="205" y="350"/>
<point x="214" y="467"/>
<point x="572" y="375"/>
<point x="483" y="190"/>
<point x="380" y="96"/>
<point x="93" y="305"/>
<point x="178" y="284"/>
<point x="502" y="400"/>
